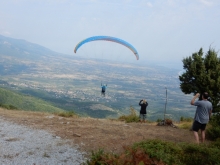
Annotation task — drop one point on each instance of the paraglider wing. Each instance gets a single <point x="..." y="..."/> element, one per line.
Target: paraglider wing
<point x="108" y="38"/>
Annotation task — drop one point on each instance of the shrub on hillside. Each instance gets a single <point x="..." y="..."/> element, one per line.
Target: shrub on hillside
<point x="158" y="152"/>
<point x="129" y="157"/>
<point x="166" y="151"/>
<point x="8" y="106"/>
<point x="132" y="117"/>
<point x="213" y="132"/>
<point x="200" y="154"/>
<point x="216" y="143"/>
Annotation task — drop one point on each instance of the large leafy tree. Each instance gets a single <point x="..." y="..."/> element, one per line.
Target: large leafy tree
<point x="202" y="74"/>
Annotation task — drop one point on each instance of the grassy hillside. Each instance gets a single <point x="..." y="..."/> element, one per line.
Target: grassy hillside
<point x="24" y="102"/>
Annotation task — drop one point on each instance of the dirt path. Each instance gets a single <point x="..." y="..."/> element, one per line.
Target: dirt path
<point x="92" y="134"/>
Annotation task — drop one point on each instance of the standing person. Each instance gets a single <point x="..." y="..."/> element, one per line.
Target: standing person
<point x="143" y="111"/>
<point x="202" y="116"/>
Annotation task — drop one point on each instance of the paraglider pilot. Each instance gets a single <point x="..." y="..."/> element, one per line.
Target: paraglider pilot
<point x="103" y="89"/>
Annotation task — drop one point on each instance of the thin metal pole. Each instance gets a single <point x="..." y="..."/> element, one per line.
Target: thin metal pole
<point x="165" y="105"/>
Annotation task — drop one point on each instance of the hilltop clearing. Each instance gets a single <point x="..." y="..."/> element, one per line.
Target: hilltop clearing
<point x="92" y="134"/>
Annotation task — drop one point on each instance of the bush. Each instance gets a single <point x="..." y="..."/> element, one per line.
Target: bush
<point x="158" y="152"/>
<point x="131" y="156"/>
<point x="8" y="106"/>
<point x="216" y="144"/>
<point x="132" y="117"/>
<point x="215" y="119"/>
<point x="96" y="158"/>
<point x="159" y="120"/>
<point x="200" y="154"/>
<point x="166" y="151"/>
<point x="214" y="131"/>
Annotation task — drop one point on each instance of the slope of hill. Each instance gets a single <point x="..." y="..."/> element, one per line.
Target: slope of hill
<point x="22" y="49"/>
<point x="23" y="102"/>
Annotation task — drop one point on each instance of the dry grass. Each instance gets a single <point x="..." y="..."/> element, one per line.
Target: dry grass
<point x="184" y="125"/>
<point x="93" y="134"/>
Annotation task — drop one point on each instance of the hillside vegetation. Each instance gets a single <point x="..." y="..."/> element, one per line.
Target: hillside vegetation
<point x="27" y="103"/>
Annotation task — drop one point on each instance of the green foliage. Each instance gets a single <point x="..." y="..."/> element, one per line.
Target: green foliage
<point x="19" y="101"/>
<point x="202" y="75"/>
<point x="159" y="120"/>
<point x="200" y="154"/>
<point x="157" y="152"/>
<point x="11" y="107"/>
<point x="213" y="132"/>
<point x="129" y="157"/>
<point x="132" y="117"/>
<point x="166" y="151"/>
<point x="216" y="143"/>
<point x="215" y="119"/>
<point x="96" y="158"/>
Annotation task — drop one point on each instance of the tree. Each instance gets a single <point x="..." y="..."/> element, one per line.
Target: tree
<point x="202" y="74"/>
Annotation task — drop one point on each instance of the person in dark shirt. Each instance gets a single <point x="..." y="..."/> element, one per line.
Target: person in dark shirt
<point x="143" y="111"/>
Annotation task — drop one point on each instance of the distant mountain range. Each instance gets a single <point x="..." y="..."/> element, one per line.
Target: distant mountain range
<point x="22" y="49"/>
<point x="73" y="83"/>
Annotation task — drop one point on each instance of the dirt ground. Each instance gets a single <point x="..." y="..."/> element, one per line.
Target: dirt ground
<point x="93" y="134"/>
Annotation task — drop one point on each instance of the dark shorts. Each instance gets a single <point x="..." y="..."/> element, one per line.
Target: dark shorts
<point x="197" y="126"/>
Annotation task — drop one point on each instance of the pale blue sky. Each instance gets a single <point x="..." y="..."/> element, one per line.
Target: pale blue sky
<point x="162" y="31"/>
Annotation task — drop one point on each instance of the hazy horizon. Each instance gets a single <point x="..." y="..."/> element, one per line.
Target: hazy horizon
<point x="163" y="32"/>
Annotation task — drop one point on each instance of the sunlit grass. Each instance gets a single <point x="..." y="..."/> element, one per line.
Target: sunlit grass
<point x="132" y="117"/>
<point x="184" y="125"/>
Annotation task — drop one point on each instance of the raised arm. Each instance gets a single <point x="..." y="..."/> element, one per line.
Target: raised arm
<point x="140" y="102"/>
<point x="194" y="98"/>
